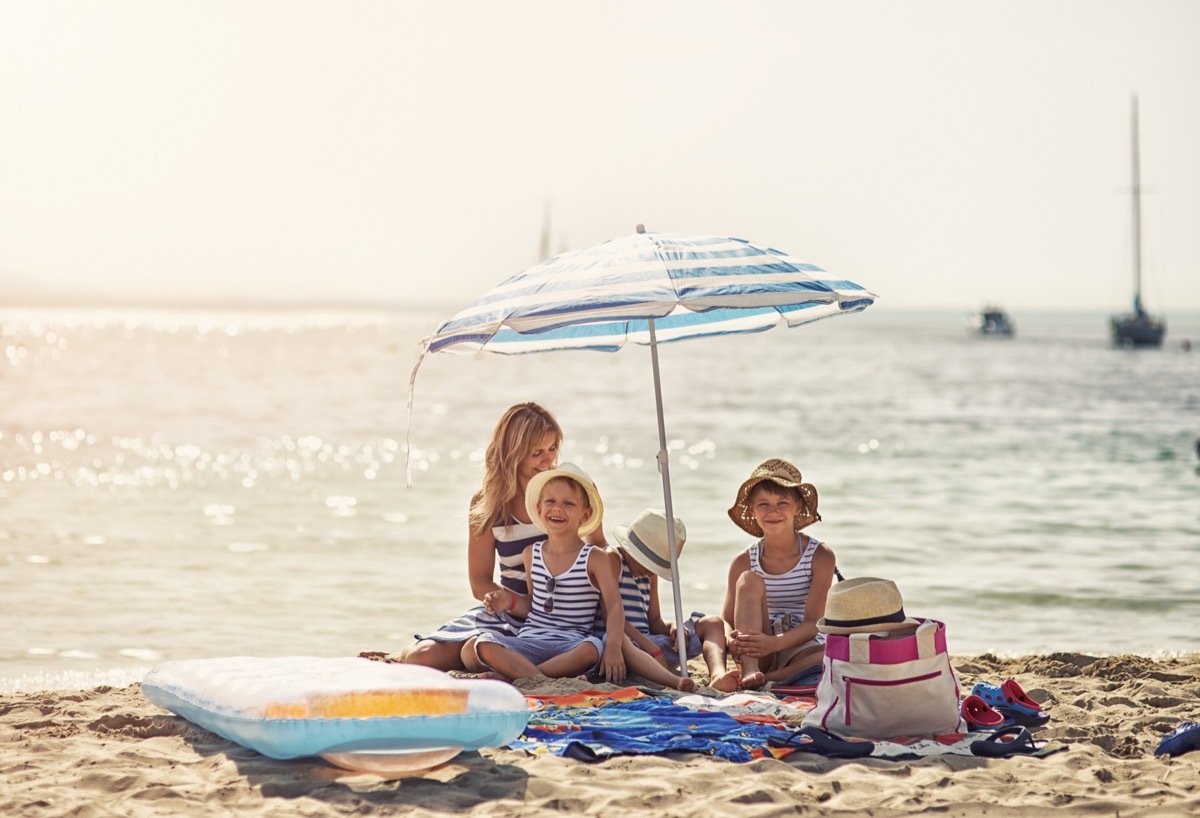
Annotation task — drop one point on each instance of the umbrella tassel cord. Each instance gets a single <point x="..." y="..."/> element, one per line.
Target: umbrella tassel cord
<point x="412" y="386"/>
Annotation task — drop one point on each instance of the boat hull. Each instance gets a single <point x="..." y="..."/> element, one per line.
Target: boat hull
<point x="1137" y="331"/>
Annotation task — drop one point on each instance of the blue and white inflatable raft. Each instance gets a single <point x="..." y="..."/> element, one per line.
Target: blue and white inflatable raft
<point x="363" y="715"/>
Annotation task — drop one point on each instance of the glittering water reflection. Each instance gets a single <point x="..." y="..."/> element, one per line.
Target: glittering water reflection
<point x="174" y="484"/>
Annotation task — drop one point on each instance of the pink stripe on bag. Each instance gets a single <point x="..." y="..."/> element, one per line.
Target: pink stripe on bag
<point x="886" y="651"/>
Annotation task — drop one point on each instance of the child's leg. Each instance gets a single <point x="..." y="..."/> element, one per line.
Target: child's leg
<point x="646" y="666"/>
<point x="711" y="630"/>
<point x="573" y="662"/>
<point x="808" y="656"/>
<point x="469" y="660"/>
<point x="508" y="663"/>
<point x="432" y="653"/>
<point x="750" y="614"/>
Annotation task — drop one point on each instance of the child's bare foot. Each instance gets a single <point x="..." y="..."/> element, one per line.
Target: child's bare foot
<point x="754" y="681"/>
<point x="728" y="682"/>
<point x="687" y="685"/>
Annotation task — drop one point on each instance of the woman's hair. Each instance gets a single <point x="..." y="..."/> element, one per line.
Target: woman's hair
<point x="518" y="433"/>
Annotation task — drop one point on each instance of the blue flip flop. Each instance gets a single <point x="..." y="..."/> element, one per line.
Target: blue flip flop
<point x="1177" y="742"/>
<point x="808" y="676"/>
<point x="1022" y="717"/>
<point x="816" y="740"/>
<point x="1005" y="742"/>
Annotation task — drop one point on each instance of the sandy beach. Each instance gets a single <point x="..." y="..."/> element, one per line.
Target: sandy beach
<point x="109" y="751"/>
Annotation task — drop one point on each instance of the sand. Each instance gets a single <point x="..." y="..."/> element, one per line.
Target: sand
<point x="108" y="751"/>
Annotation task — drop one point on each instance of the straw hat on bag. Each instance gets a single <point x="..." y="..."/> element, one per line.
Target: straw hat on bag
<point x="864" y="605"/>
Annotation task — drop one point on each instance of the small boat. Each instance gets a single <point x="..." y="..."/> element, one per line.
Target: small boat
<point x="993" y="322"/>
<point x="1138" y="328"/>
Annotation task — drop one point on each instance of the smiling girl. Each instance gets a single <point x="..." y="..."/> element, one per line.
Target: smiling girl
<point x="777" y="587"/>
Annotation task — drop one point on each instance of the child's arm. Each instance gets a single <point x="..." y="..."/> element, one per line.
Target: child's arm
<point x="634" y="635"/>
<point x="612" y="663"/>
<point x="654" y="613"/>
<point x="824" y="562"/>
<point x="503" y="600"/>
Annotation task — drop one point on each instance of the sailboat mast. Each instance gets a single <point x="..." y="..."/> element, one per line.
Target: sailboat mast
<point x="1137" y="213"/>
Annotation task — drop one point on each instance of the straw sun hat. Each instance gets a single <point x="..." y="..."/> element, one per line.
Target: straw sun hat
<point x="781" y="473"/>
<point x="647" y="540"/>
<point x="864" y="605"/>
<point x="533" y="493"/>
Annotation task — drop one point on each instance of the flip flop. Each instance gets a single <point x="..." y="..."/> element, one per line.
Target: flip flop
<point x="1021" y="717"/>
<point x="1007" y="741"/>
<point x="810" y="675"/>
<point x="787" y="691"/>
<point x="1183" y="738"/>
<point x="979" y="716"/>
<point x="816" y="740"/>
<point x="1008" y="694"/>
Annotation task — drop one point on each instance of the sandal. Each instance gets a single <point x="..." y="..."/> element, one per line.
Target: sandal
<point x="1008" y="694"/>
<point x="1022" y="718"/>
<point x="1183" y="738"/>
<point x="1007" y="741"/>
<point x="816" y="740"/>
<point x="980" y="716"/>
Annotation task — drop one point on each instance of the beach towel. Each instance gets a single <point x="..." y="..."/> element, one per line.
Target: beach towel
<point x="595" y="725"/>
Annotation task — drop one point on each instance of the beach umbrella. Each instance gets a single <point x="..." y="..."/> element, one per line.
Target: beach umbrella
<point x="646" y="288"/>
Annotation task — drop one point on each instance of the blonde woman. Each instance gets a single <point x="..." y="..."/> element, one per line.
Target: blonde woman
<point x="525" y="442"/>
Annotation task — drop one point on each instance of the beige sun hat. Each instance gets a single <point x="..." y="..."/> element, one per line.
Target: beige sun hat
<point x="533" y="492"/>
<point x="864" y="605"/>
<point x="781" y="473"/>
<point x="647" y="540"/>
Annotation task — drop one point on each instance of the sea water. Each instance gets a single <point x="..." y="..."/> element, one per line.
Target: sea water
<point x="179" y="484"/>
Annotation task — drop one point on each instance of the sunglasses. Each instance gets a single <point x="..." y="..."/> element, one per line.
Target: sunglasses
<point x="548" y="605"/>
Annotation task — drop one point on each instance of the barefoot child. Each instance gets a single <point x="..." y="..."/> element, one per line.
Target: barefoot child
<point x="777" y="586"/>
<point x="568" y="579"/>
<point x="650" y="647"/>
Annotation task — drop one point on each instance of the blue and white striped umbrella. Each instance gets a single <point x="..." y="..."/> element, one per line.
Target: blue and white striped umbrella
<point x="647" y="288"/>
<point x="602" y="296"/>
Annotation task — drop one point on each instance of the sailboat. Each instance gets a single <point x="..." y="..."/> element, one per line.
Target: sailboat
<point x="1139" y="328"/>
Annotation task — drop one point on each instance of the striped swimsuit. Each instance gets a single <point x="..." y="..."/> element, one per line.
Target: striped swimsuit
<point x="567" y="625"/>
<point x="575" y="598"/>
<point x="635" y="600"/>
<point x="786" y="593"/>
<point x="511" y="542"/>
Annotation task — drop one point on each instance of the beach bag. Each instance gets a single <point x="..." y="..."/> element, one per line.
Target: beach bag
<point x="879" y="686"/>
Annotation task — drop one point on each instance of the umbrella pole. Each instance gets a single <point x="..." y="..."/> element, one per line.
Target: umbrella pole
<point x="664" y="468"/>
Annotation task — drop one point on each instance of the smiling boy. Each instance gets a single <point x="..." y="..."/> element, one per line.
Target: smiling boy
<point x="568" y="579"/>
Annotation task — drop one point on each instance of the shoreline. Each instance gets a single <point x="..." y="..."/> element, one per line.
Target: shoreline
<point x="74" y="680"/>
<point x="108" y="751"/>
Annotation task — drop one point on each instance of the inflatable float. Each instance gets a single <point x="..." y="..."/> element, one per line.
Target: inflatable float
<point x="359" y="714"/>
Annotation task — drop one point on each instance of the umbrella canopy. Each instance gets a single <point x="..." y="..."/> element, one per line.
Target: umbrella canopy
<point x="602" y="296"/>
<point x="647" y="288"/>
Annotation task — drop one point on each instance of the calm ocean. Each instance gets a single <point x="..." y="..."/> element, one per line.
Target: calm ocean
<point x="177" y="484"/>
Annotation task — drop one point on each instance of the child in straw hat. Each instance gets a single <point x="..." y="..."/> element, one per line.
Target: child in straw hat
<point x="641" y="556"/>
<point x="567" y="578"/>
<point x="777" y="587"/>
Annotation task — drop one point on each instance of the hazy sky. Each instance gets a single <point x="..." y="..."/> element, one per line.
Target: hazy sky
<point x="939" y="153"/>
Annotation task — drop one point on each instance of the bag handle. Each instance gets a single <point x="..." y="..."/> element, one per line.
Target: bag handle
<point x="926" y="633"/>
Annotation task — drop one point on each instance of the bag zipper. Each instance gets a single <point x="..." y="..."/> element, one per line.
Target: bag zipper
<point x="850" y="680"/>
